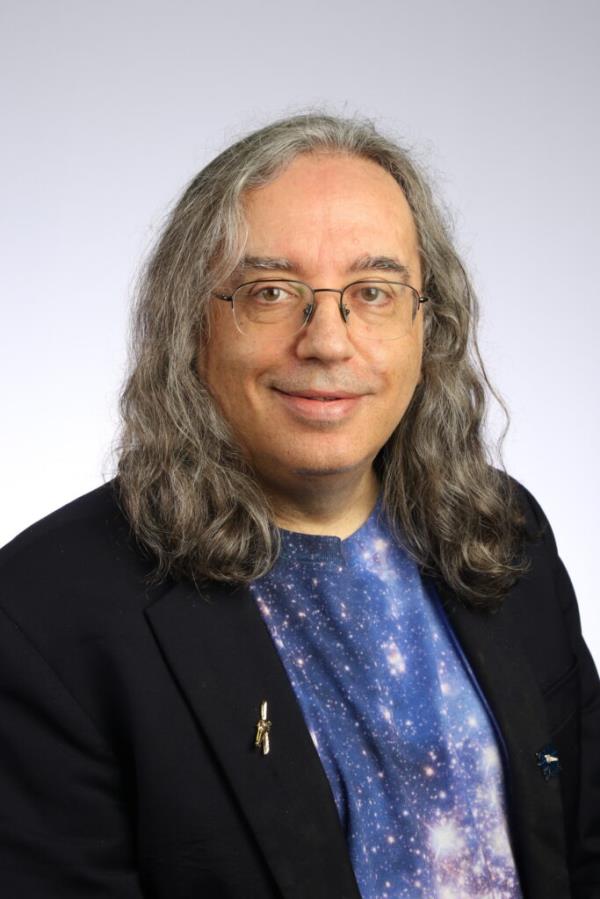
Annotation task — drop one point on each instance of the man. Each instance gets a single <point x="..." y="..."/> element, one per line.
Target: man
<point x="309" y="642"/>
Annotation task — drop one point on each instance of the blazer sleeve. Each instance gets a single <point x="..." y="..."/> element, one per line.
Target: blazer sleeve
<point x="65" y="831"/>
<point x="584" y="836"/>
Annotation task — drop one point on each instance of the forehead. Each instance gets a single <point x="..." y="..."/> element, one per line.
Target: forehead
<point x="323" y="206"/>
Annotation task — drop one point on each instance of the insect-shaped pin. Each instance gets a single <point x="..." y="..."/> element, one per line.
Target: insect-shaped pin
<point x="263" y="726"/>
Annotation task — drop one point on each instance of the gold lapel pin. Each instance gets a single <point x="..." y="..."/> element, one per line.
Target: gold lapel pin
<point x="548" y="761"/>
<point x="263" y="726"/>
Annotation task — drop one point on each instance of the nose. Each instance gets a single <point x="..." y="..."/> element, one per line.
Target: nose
<point x="325" y="335"/>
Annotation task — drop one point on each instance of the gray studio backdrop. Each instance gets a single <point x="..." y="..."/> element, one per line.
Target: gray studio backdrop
<point x="108" y="108"/>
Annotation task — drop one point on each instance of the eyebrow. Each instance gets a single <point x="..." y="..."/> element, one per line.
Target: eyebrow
<point x="265" y="263"/>
<point x="380" y="264"/>
<point x="362" y="264"/>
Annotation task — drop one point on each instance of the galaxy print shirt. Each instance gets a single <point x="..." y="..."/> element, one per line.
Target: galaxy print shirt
<point x="399" y="723"/>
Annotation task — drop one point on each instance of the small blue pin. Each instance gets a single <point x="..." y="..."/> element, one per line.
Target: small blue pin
<point x="548" y="762"/>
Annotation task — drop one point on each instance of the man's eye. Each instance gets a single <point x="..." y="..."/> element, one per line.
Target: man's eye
<point x="372" y="295"/>
<point x="270" y="293"/>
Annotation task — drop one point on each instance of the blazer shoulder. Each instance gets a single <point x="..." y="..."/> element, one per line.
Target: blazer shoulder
<point x="537" y="526"/>
<point x="83" y="549"/>
<point x="87" y="516"/>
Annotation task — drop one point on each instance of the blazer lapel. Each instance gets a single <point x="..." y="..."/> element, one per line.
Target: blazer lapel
<point x="224" y="660"/>
<point x="535" y="808"/>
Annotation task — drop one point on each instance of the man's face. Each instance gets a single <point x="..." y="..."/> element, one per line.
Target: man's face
<point x="325" y="214"/>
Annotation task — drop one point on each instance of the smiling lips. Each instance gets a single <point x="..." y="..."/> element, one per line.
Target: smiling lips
<point x="320" y="405"/>
<point x="322" y="395"/>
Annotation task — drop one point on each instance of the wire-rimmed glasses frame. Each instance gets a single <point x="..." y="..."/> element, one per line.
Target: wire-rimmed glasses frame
<point x="306" y="301"/>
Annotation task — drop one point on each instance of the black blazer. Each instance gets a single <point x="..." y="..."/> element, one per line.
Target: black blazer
<point x="128" y="713"/>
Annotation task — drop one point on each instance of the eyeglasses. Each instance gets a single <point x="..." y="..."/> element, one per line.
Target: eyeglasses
<point x="380" y="310"/>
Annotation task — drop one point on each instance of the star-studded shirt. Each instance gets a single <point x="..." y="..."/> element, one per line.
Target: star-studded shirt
<point x="401" y="727"/>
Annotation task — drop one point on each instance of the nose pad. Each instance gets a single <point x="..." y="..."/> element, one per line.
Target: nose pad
<point x="309" y="309"/>
<point x="328" y="339"/>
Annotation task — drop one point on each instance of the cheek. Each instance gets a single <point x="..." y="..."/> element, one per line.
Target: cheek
<point x="402" y="387"/>
<point x="399" y="367"/>
<point x="217" y="365"/>
<point x="231" y="368"/>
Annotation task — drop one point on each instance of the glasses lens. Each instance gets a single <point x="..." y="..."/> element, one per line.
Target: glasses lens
<point x="280" y="305"/>
<point x="383" y="310"/>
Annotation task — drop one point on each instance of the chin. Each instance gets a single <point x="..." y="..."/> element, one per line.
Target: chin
<point x="323" y="471"/>
<point x="323" y="464"/>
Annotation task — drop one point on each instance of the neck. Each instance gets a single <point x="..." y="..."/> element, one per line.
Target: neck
<point x="326" y="505"/>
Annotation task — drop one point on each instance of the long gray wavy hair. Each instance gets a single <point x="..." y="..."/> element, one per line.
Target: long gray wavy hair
<point x="190" y="496"/>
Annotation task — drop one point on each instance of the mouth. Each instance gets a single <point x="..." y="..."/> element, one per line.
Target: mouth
<point x="319" y="395"/>
<point x="319" y="405"/>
